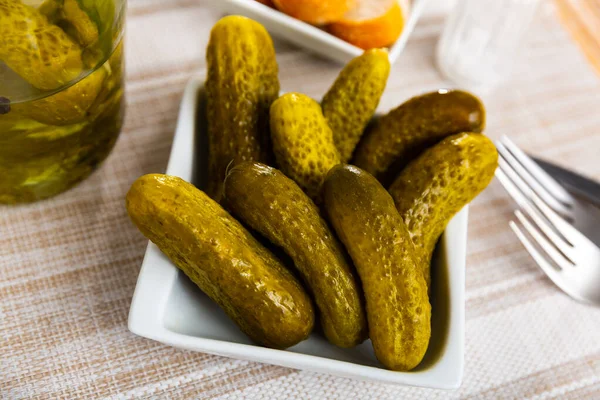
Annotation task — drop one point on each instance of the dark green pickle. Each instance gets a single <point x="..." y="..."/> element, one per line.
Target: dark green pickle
<point x="223" y="259"/>
<point x="438" y="184"/>
<point x="417" y="124"/>
<point x="275" y="206"/>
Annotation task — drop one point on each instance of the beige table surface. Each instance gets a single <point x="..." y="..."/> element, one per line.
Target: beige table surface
<point x="68" y="266"/>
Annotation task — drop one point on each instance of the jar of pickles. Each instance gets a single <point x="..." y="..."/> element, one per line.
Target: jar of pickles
<point x="61" y="92"/>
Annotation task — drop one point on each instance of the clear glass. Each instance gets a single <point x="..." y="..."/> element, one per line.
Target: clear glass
<point x="61" y="93"/>
<point x="481" y="39"/>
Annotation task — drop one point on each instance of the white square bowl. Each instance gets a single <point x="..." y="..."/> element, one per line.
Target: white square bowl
<point x="311" y="37"/>
<point x="169" y="308"/>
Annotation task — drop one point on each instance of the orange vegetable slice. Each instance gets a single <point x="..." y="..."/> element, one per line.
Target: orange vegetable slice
<point x="371" y="23"/>
<point x="268" y="3"/>
<point x="316" y="12"/>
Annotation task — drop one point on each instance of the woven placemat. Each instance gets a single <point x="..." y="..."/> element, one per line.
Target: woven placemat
<point x="68" y="266"/>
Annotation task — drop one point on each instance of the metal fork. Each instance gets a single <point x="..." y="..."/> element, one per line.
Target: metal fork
<point x="552" y="224"/>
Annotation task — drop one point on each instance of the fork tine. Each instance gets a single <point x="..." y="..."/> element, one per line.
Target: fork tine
<point x="535" y="215"/>
<point x="559" y="224"/>
<point x="545" y="179"/>
<point x="544" y="243"/>
<point x="530" y="181"/>
<point x="545" y="266"/>
<point x="563" y="279"/>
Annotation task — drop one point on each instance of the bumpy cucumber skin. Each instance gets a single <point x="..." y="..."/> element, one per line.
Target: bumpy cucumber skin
<point x="86" y="31"/>
<point x="68" y="106"/>
<point x="367" y="222"/>
<point x="275" y="206"/>
<point x="417" y="124"/>
<point x="438" y="184"/>
<point x="220" y="256"/>
<point x="303" y="142"/>
<point x="241" y="84"/>
<point x="41" y="53"/>
<point x="69" y="16"/>
<point x="350" y="103"/>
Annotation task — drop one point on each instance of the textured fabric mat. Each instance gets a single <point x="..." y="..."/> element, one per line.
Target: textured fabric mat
<point x="68" y="266"/>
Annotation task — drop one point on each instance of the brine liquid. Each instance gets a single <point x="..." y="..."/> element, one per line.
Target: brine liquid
<point x="52" y="139"/>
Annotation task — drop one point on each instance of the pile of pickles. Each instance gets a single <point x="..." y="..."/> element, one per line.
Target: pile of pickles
<point x="357" y="203"/>
<point x="61" y="92"/>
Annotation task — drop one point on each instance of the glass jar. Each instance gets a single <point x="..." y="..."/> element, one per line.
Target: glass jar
<point x="61" y="92"/>
<point x="481" y="39"/>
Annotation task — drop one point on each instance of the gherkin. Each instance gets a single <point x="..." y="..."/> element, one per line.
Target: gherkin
<point x="398" y="311"/>
<point x="275" y="206"/>
<point x="438" y="184"/>
<point x="350" y="103"/>
<point x="222" y="258"/>
<point x="303" y="142"/>
<point x="40" y="52"/>
<point x="417" y="124"/>
<point x="241" y="84"/>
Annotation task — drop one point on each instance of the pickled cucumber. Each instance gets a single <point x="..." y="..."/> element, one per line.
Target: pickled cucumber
<point x="51" y="9"/>
<point x="41" y="53"/>
<point x="303" y="142"/>
<point x="68" y="106"/>
<point x="350" y="103"/>
<point x="68" y="15"/>
<point x="367" y="222"/>
<point x="405" y="132"/>
<point x="438" y="184"/>
<point x="241" y="84"/>
<point x="86" y="30"/>
<point x="272" y="204"/>
<point x="220" y="256"/>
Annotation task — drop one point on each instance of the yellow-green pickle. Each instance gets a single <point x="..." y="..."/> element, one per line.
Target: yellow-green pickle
<point x="417" y="124"/>
<point x="438" y="184"/>
<point x="398" y="311"/>
<point x="275" y="206"/>
<point x="303" y="142"/>
<point x="220" y="256"/>
<point x="350" y="103"/>
<point x="61" y="93"/>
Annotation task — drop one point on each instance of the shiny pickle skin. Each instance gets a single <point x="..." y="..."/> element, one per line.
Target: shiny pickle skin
<point x="350" y="103"/>
<point x="241" y="84"/>
<point x="68" y="106"/>
<point x="85" y="30"/>
<point x="438" y="184"/>
<point x="220" y="256"/>
<point x="69" y="16"/>
<point x="276" y="207"/>
<point x="41" y="53"/>
<point x="417" y="124"/>
<point x="367" y="222"/>
<point x="302" y="142"/>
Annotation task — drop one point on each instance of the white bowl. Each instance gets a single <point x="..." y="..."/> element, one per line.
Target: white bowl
<point x="169" y="308"/>
<point x="311" y="37"/>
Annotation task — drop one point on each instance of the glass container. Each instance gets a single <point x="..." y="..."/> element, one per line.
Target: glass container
<point x="61" y="93"/>
<point x="481" y="40"/>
